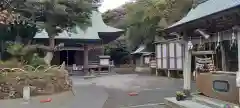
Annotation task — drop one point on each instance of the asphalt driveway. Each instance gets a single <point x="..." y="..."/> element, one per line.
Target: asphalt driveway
<point x="150" y="89"/>
<point x="109" y="91"/>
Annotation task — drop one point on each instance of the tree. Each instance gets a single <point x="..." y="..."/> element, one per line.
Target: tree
<point x="115" y="17"/>
<point x="144" y="19"/>
<point x="52" y="15"/>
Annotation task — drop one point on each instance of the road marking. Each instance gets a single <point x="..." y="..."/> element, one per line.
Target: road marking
<point x="144" y="105"/>
<point x="151" y="89"/>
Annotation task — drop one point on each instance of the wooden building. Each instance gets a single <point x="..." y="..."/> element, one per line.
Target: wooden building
<point x="82" y="48"/>
<point x="141" y="58"/>
<point x="210" y="39"/>
<point x="169" y="57"/>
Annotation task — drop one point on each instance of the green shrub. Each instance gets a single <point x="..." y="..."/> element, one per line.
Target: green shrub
<point x="15" y="49"/>
<point x="36" y="61"/>
<point x="12" y="63"/>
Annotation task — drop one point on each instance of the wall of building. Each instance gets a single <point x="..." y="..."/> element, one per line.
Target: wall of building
<point x="93" y="56"/>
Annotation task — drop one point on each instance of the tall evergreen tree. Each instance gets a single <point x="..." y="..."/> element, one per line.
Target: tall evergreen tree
<point x="52" y="15"/>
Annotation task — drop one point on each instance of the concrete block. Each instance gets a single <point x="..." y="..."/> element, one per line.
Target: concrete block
<point x="173" y="103"/>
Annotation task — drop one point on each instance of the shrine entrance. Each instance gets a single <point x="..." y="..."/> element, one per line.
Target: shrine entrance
<point x="68" y="56"/>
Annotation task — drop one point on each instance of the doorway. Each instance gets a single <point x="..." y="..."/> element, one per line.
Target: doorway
<point x="68" y="56"/>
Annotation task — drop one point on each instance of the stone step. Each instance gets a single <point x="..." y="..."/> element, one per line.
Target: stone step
<point x="213" y="103"/>
<point x="173" y="103"/>
<point x="198" y="101"/>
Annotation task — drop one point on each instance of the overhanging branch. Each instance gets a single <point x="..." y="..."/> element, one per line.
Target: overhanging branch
<point x="42" y="47"/>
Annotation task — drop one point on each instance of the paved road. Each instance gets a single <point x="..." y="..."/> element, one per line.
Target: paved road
<point x="107" y="92"/>
<point x="151" y="90"/>
<point x="86" y="96"/>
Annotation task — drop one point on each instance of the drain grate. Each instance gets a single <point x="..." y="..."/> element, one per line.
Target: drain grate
<point x="155" y="105"/>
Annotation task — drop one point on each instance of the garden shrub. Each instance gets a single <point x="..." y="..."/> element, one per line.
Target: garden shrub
<point x="37" y="61"/>
<point x="42" y="82"/>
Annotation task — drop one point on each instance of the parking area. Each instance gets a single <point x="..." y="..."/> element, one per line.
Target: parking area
<point x="151" y="90"/>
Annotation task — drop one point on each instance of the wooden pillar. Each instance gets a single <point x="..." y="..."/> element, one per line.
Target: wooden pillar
<point x="141" y="61"/>
<point x="102" y="50"/>
<point x="85" y="63"/>
<point x="131" y="60"/>
<point x="238" y="75"/>
<point x="223" y="54"/>
<point x="168" y="73"/>
<point x="187" y="69"/>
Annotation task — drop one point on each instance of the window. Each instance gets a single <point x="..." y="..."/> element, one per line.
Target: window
<point x="221" y="86"/>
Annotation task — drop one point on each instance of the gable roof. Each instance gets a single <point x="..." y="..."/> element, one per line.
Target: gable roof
<point x="88" y="34"/>
<point x="207" y="8"/>
<point x="99" y="25"/>
<point x="91" y="33"/>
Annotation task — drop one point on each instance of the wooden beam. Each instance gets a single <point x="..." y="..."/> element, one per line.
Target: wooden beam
<point x="80" y="48"/>
<point x="203" y="52"/>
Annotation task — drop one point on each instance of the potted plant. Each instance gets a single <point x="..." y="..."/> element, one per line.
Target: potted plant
<point x="180" y="96"/>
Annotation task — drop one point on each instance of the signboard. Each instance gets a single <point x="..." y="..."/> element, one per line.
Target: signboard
<point x="164" y="56"/>
<point x="179" y="56"/>
<point x="153" y="64"/>
<point x="238" y="79"/>
<point x="147" y="59"/>
<point x="159" y="56"/>
<point x="172" y="56"/>
<point x="104" y="62"/>
<point x="204" y="64"/>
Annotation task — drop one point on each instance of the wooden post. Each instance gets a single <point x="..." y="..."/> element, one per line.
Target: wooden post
<point x="141" y="61"/>
<point x="187" y="69"/>
<point x="168" y="73"/>
<point x="223" y="53"/>
<point x="238" y="42"/>
<point x="85" y="63"/>
<point x="156" y="60"/>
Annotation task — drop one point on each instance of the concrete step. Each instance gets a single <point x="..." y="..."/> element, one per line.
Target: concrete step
<point x="198" y="101"/>
<point x="213" y="103"/>
<point x="173" y="103"/>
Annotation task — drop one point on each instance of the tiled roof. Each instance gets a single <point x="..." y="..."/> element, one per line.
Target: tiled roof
<point x="207" y="8"/>
<point x="98" y="26"/>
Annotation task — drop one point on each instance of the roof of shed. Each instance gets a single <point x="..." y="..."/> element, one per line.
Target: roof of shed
<point x="141" y="50"/>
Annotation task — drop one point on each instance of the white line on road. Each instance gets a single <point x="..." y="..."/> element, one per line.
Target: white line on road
<point x="144" y="105"/>
<point x="151" y="89"/>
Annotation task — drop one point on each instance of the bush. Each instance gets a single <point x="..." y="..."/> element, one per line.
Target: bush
<point x="43" y="82"/>
<point x="37" y="61"/>
<point x="12" y="63"/>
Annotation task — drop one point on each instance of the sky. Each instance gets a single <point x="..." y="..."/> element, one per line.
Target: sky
<point x="111" y="4"/>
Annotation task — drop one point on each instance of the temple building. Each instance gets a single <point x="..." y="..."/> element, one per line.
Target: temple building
<point x="83" y="47"/>
<point x="205" y="44"/>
